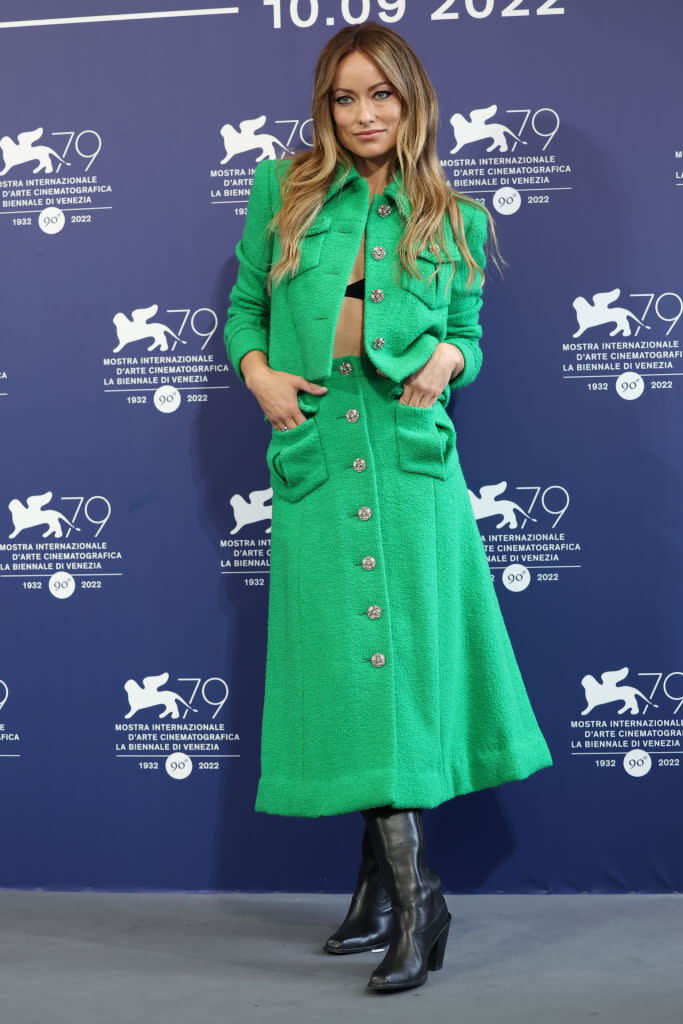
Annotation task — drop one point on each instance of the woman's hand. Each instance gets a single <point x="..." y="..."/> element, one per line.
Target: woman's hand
<point x="424" y="386"/>
<point x="276" y="392"/>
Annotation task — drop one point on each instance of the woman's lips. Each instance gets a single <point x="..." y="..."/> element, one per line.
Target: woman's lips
<point x="369" y="135"/>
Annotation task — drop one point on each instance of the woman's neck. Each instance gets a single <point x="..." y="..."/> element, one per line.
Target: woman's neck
<point x="377" y="175"/>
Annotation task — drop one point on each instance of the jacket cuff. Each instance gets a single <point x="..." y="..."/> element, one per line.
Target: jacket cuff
<point x="473" y="359"/>
<point x="237" y="346"/>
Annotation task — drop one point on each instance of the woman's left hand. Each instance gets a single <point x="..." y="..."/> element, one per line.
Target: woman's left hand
<point x="424" y="386"/>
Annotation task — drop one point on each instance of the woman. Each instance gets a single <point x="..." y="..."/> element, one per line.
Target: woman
<point x="391" y="684"/>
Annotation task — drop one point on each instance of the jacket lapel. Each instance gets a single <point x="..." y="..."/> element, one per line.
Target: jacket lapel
<point x="403" y="204"/>
<point x="342" y="178"/>
<point x="339" y="177"/>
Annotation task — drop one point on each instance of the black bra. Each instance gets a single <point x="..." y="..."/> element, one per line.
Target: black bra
<point x="357" y="289"/>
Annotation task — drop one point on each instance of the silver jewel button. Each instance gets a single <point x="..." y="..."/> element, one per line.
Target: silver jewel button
<point x="379" y="252"/>
<point x="364" y="512"/>
<point x="374" y="611"/>
<point x="384" y="209"/>
<point x="359" y="465"/>
<point x="368" y="562"/>
<point x="378" y="343"/>
<point x="378" y="660"/>
<point x="376" y="294"/>
<point x="352" y="415"/>
<point x="434" y="249"/>
<point x="345" y="368"/>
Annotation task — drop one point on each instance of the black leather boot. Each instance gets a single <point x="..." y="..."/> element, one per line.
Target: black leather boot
<point x="420" y="917"/>
<point x="368" y="921"/>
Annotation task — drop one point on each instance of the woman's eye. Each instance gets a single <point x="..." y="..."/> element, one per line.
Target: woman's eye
<point x="386" y="92"/>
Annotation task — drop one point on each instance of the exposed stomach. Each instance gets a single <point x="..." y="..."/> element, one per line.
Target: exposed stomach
<point x="348" y="336"/>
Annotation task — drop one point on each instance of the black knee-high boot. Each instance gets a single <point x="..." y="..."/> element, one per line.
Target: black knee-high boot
<point x="420" y="917"/>
<point x="368" y="921"/>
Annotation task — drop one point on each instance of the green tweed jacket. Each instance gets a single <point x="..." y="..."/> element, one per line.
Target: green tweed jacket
<point x="402" y="323"/>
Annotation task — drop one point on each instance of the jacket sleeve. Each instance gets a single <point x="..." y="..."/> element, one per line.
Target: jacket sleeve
<point x="248" y="317"/>
<point x="463" y="328"/>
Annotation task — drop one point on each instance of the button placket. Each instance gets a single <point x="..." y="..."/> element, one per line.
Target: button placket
<point x="379" y="253"/>
<point x="364" y="513"/>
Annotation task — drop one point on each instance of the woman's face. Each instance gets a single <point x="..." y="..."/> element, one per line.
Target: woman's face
<point x="362" y="101"/>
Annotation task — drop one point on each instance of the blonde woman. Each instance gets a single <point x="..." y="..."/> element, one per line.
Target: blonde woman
<point x="391" y="684"/>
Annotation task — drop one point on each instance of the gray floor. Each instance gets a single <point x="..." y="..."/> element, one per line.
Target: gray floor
<point x="95" y="958"/>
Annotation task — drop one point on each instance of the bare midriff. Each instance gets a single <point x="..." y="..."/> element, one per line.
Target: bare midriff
<point x="348" y="337"/>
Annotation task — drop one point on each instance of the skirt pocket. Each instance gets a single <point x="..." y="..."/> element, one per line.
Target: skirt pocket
<point x="296" y="460"/>
<point x="425" y="438"/>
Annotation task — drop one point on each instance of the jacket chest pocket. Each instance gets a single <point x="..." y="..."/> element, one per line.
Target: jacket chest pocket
<point x="296" y="460"/>
<point x="430" y="292"/>
<point x="311" y="244"/>
<point x="425" y="438"/>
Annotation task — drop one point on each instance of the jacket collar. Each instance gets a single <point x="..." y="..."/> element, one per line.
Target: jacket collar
<point x="342" y="178"/>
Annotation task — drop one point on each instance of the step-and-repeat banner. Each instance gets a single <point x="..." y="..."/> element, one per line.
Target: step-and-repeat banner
<point x="134" y="545"/>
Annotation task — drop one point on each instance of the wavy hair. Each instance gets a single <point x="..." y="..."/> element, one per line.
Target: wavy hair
<point x="311" y="172"/>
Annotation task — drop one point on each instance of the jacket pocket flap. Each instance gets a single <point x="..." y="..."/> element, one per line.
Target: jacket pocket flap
<point x="427" y="254"/>
<point x="321" y="223"/>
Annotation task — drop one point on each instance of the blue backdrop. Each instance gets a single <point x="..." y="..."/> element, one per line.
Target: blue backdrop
<point x="133" y="575"/>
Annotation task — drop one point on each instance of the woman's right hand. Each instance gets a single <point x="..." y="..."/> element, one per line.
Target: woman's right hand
<point x="276" y="392"/>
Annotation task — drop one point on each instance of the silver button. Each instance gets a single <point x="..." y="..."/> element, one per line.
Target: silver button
<point x="364" y="512"/>
<point x="378" y="343"/>
<point x="384" y="210"/>
<point x="345" y="368"/>
<point x="434" y="249"/>
<point x="374" y="611"/>
<point x="359" y="465"/>
<point x="368" y="562"/>
<point x="378" y="660"/>
<point x="352" y="415"/>
<point x="379" y="252"/>
<point x="376" y="294"/>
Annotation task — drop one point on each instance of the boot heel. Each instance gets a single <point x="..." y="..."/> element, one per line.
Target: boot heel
<point x="436" y="953"/>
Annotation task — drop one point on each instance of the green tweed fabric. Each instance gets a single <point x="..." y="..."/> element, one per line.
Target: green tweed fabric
<point x="296" y="325"/>
<point x="390" y="675"/>
<point x="443" y="711"/>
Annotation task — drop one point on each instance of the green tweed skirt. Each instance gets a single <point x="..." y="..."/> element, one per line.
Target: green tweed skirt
<point x="390" y="676"/>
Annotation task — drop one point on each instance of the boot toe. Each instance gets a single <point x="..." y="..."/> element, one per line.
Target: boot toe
<point x="356" y="943"/>
<point x="394" y="982"/>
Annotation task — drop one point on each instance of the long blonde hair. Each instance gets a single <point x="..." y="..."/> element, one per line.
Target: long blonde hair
<point x="311" y="172"/>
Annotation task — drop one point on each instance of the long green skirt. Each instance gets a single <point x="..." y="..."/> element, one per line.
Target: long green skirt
<point x="390" y="677"/>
